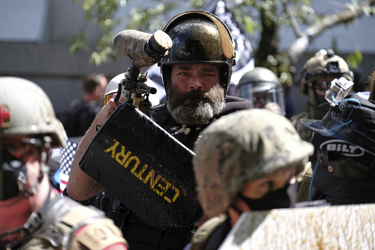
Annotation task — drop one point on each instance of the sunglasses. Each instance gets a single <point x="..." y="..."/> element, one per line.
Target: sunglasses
<point x="20" y="148"/>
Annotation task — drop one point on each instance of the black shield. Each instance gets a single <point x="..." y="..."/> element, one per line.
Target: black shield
<point x="145" y="167"/>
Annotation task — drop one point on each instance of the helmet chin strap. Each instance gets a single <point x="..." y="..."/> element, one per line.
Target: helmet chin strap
<point x="44" y="169"/>
<point x="33" y="189"/>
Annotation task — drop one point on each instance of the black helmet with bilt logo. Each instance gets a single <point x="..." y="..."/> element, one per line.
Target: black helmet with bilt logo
<point x="199" y="37"/>
<point x="344" y="139"/>
<point x="344" y="158"/>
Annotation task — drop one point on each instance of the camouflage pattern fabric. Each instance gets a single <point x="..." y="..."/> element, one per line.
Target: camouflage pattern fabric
<point x="304" y="133"/>
<point x="242" y="147"/>
<point x="131" y="43"/>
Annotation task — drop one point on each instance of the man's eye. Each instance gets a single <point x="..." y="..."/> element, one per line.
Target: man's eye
<point x="268" y="185"/>
<point x="183" y="73"/>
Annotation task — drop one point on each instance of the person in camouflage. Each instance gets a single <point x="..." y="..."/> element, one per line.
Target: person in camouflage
<point x="316" y="77"/>
<point x="33" y="215"/>
<point x="244" y="162"/>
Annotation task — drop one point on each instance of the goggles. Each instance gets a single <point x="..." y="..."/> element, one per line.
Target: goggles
<point x="323" y="85"/>
<point x="344" y="159"/>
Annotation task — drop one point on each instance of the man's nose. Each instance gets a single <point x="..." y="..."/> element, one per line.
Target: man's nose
<point x="195" y="83"/>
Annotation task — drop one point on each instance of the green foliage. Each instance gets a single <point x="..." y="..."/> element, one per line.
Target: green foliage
<point x="354" y="58"/>
<point x="79" y="42"/>
<point x="148" y="19"/>
<point x="255" y="16"/>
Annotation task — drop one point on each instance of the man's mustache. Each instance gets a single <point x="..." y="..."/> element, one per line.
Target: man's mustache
<point x="194" y="95"/>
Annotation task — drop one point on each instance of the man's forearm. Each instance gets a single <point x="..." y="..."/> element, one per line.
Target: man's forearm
<point x="80" y="186"/>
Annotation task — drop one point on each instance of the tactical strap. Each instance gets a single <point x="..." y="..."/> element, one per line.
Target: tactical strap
<point x="303" y="191"/>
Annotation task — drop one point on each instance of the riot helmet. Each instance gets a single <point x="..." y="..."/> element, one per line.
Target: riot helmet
<point x="242" y="147"/>
<point x="199" y="38"/>
<point x="261" y="86"/>
<point x="27" y="120"/>
<point x="317" y="74"/>
<point x="344" y="158"/>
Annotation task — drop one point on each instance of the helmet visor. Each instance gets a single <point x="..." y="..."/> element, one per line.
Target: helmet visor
<point x="260" y="96"/>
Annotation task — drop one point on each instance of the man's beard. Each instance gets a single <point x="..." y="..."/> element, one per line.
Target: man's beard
<point x="196" y="107"/>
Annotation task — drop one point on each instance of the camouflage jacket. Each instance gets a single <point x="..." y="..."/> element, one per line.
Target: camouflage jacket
<point x="70" y="225"/>
<point x="304" y="133"/>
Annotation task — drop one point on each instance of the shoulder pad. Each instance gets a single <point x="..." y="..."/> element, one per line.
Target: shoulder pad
<point x="100" y="234"/>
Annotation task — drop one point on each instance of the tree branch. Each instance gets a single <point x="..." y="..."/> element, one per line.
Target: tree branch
<point x="292" y="20"/>
<point x="300" y="45"/>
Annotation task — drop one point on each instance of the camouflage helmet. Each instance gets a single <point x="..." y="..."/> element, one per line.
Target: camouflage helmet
<point x="325" y="64"/>
<point x="261" y="83"/>
<point x="199" y="37"/>
<point x="242" y="147"/>
<point x="25" y="109"/>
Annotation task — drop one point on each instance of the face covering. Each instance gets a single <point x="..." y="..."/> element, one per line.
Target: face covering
<point x="11" y="172"/>
<point x="277" y="199"/>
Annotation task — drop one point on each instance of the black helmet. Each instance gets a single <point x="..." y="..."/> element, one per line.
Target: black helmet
<point x="344" y="139"/>
<point x="199" y="37"/>
<point x="261" y="85"/>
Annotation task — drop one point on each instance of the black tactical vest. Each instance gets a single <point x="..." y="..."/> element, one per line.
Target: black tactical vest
<point x="142" y="236"/>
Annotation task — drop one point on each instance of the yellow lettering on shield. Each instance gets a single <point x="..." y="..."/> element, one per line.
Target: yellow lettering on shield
<point x="160" y="188"/>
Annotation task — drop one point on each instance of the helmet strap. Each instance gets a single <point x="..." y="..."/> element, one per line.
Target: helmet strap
<point x="315" y="94"/>
<point x="44" y="169"/>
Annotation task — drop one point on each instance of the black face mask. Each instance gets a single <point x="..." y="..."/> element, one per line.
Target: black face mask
<point x="11" y="172"/>
<point x="277" y="199"/>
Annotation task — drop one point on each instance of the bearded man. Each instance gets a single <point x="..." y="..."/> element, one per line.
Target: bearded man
<point x="196" y="73"/>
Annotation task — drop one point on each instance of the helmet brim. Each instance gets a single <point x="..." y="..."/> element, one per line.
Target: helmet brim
<point x="314" y="125"/>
